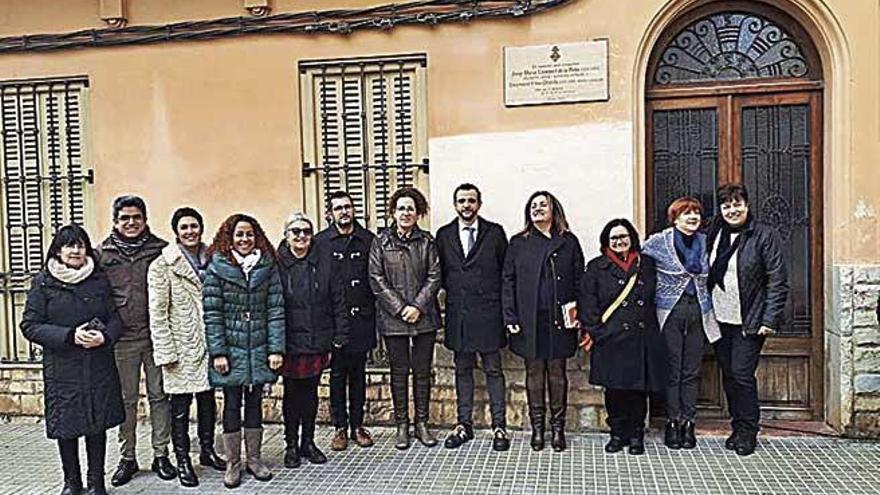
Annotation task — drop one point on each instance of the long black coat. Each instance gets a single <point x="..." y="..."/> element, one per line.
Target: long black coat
<point x="312" y="325"/>
<point x="81" y="386"/>
<point x="761" y="275"/>
<point x="473" y="287"/>
<point x="628" y="352"/>
<point x="351" y="256"/>
<point x="526" y="258"/>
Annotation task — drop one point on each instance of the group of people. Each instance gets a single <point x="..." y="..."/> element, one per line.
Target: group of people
<point x="239" y="312"/>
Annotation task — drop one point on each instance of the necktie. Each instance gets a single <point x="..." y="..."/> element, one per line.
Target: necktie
<point x="470" y="240"/>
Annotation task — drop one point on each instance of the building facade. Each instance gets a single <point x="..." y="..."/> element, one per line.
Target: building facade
<point x="264" y="106"/>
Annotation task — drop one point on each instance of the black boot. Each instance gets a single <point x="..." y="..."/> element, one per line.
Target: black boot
<point x="180" y="443"/>
<point x="557" y="439"/>
<point x="206" y="412"/>
<point x="401" y="439"/>
<point x="307" y="448"/>
<point x="96" y="485"/>
<point x="672" y="438"/>
<point x="292" y="460"/>
<point x="537" y="441"/>
<point x="422" y="399"/>
<point x="69" y="450"/>
<point x="688" y="437"/>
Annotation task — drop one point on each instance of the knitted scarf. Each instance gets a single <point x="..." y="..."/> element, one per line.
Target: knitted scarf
<point x="247" y="263"/>
<point x="70" y="275"/>
<point x="129" y="247"/>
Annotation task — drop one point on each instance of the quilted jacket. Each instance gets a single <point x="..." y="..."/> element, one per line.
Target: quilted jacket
<point x="244" y="320"/>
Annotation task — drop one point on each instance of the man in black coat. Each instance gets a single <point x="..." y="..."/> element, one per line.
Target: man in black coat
<point x="472" y="252"/>
<point x="749" y="286"/>
<point x="349" y="243"/>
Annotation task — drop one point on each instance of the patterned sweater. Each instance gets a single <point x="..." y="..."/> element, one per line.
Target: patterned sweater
<point x="673" y="278"/>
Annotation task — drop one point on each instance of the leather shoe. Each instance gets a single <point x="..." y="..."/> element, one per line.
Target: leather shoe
<point x="557" y="439"/>
<point x="501" y="440"/>
<point x="614" y="445"/>
<point x="163" y="468"/>
<point x="732" y="440"/>
<point x="362" y="437"/>
<point x="311" y="452"/>
<point x="401" y="439"/>
<point x="340" y="440"/>
<point x="292" y="459"/>
<point x="636" y="445"/>
<point x="459" y="436"/>
<point x="424" y="436"/>
<point x="672" y="438"/>
<point x="746" y="446"/>
<point x="125" y="471"/>
<point x="688" y="437"/>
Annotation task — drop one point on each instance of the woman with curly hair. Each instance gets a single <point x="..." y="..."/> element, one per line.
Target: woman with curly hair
<point x="244" y="326"/>
<point x="405" y="277"/>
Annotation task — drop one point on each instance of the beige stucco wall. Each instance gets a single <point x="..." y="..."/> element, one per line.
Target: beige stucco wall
<point x="201" y="121"/>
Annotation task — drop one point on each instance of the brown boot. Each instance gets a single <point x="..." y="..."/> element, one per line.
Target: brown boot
<point x="232" y="443"/>
<point x="253" y="444"/>
<point x="340" y="440"/>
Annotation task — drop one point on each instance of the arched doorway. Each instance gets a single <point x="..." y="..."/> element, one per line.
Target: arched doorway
<point x="734" y="93"/>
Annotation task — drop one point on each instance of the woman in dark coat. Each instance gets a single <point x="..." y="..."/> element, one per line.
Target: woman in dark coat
<point x="70" y="313"/>
<point x="314" y="301"/>
<point x="542" y="273"/>
<point x="244" y="326"/>
<point x="617" y="310"/>
<point x="749" y="287"/>
<point x="405" y="277"/>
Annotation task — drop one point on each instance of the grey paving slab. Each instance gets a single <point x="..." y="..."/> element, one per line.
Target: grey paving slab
<point x="793" y="465"/>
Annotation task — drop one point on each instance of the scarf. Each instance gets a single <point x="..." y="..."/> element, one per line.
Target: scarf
<point x="625" y="265"/>
<point x="726" y="250"/>
<point x="690" y="253"/>
<point x="247" y="263"/>
<point x="129" y="247"/>
<point x="199" y="262"/>
<point x="70" y="275"/>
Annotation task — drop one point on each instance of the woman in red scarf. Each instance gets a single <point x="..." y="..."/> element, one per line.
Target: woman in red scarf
<point x="616" y="307"/>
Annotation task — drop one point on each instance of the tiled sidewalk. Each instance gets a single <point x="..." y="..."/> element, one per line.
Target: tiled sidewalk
<point x="794" y="465"/>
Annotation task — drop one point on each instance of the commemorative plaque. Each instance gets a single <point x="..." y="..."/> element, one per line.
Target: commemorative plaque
<point x="556" y="73"/>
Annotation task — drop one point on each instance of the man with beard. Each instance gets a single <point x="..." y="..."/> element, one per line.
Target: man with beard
<point x="349" y="244"/>
<point x="125" y="255"/>
<point x="472" y="251"/>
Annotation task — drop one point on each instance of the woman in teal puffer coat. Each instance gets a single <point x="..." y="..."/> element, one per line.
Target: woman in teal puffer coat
<point x="244" y="327"/>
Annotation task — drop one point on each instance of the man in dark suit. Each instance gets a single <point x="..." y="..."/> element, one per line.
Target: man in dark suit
<point x="349" y="244"/>
<point x="471" y="252"/>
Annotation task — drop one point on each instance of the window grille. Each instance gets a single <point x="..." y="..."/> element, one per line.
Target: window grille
<point x="45" y="186"/>
<point x="364" y="130"/>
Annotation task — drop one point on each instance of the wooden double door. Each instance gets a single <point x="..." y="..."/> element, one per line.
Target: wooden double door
<point x="771" y="142"/>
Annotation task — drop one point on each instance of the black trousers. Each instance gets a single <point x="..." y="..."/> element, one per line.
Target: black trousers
<point x="300" y="408"/>
<point x="206" y="412"/>
<point x="252" y="395"/>
<point x="685" y="342"/>
<point x="738" y="357"/>
<point x="411" y="353"/>
<point x="96" y="452"/>
<point x="348" y="384"/>
<point x="465" y="362"/>
<point x="627" y="410"/>
<point x="543" y="375"/>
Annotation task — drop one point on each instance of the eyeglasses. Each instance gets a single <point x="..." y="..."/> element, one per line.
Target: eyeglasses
<point x="296" y="231"/>
<point x="406" y="209"/>
<point x="621" y="237"/>
<point x="131" y="218"/>
<point x="344" y="207"/>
